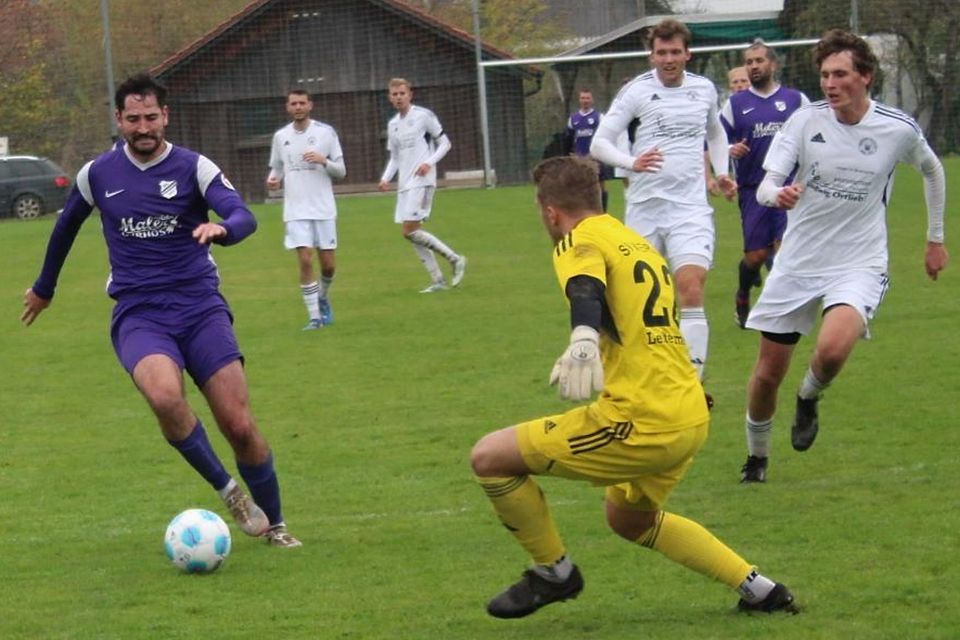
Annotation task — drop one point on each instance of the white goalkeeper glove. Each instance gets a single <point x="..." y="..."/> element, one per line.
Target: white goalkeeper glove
<point x="579" y="372"/>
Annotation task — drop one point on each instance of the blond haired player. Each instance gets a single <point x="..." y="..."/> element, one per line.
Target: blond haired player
<point x="416" y="142"/>
<point x="638" y="438"/>
<point x="738" y="79"/>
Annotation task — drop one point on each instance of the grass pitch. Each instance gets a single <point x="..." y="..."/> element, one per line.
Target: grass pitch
<point x="372" y="420"/>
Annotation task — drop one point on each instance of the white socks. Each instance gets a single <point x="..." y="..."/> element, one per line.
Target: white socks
<point x="325" y="283"/>
<point x="422" y="238"/>
<point x="755" y="588"/>
<point x="559" y="571"/>
<point x="758" y="437"/>
<point x="227" y="489"/>
<point x="311" y="294"/>
<point x="696" y="332"/>
<point x="811" y="387"/>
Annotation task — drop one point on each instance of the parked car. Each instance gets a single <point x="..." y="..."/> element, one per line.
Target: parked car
<point x="31" y="186"/>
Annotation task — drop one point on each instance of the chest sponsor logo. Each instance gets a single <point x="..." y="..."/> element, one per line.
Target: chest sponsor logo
<point x="156" y="226"/>
<point x="765" y="130"/>
<point x="168" y="188"/>
<point x="851" y="184"/>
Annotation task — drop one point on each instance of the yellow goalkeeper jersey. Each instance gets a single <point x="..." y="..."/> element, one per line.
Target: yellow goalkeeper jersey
<point x="648" y="378"/>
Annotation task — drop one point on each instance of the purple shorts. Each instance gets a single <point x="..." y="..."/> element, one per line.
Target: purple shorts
<point x="762" y="226"/>
<point x="195" y="333"/>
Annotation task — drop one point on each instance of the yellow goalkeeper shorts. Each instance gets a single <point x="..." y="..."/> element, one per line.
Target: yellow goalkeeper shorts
<point x="639" y="469"/>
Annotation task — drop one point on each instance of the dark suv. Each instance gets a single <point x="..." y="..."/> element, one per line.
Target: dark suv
<point x="31" y="186"/>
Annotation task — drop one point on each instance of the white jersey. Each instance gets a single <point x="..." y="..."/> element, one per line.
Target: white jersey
<point x="839" y="222"/>
<point x="413" y="139"/>
<point x="677" y="121"/>
<point x="307" y="186"/>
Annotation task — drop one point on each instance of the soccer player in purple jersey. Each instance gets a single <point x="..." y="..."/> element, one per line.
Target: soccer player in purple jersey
<point x="751" y="119"/>
<point x="581" y="125"/>
<point x="169" y="315"/>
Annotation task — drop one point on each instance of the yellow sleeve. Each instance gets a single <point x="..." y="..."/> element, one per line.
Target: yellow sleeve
<point x="577" y="255"/>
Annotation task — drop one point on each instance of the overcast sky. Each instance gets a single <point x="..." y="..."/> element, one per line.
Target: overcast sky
<point x="730" y="6"/>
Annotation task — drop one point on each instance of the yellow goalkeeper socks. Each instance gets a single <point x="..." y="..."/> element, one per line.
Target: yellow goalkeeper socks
<point x="690" y="544"/>
<point x="523" y="510"/>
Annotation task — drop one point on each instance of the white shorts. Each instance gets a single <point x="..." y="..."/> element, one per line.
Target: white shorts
<point x="413" y="205"/>
<point x="683" y="233"/>
<point x="791" y="304"/>
<point x="321" y="234"/>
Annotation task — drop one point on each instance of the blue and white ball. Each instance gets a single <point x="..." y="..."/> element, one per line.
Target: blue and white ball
<point x="197" y="541"/>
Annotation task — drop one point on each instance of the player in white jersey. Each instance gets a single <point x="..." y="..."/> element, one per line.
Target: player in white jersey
<point x="834" y="251"/>
<point x="416" y="143"/>
<point x="669" y="113"/>
<point x="306" y="157"/>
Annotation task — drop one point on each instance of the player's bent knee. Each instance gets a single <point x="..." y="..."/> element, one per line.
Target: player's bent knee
<point x="165" y="401"/>
<point x="482" y="458"/>
<point x="486" y="459"/>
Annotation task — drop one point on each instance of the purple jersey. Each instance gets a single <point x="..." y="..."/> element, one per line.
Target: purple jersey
<point x="148" y="213"/>
<point x="757" y="119"/>
<point x="580" y="129"/>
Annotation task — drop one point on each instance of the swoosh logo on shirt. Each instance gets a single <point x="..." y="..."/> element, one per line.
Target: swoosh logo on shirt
<point x="110" y="194"/>
<point x="746" y="111"/>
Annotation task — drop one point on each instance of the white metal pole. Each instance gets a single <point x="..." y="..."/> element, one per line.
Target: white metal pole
<point x="108" y="60"/>
<point x="482" y="94"/>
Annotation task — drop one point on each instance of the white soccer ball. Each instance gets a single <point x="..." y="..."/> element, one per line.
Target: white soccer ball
<point x="197" y="541"/>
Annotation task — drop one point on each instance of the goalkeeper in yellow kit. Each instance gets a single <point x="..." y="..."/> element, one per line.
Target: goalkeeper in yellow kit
<point x="638" y="438"/>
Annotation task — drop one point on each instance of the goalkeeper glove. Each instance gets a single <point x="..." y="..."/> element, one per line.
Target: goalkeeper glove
<point x="579" y="372"/>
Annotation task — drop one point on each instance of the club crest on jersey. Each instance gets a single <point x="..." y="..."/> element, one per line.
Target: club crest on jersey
<point x="168" y="188"/>
<point x="868" y="146"/>
<point x="780" y="105"/>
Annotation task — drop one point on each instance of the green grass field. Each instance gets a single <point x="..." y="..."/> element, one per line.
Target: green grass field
<point x="372" y="421"/>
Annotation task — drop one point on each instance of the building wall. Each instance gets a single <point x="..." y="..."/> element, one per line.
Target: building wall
<point x="228" y="99"/>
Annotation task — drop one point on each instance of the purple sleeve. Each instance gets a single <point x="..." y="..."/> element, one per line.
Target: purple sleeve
<point x="235" y="216"/>
<point x="75" y="212"/>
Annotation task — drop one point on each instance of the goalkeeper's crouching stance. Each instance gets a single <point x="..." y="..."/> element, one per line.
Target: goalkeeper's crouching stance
<point x="638" y="438"/>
